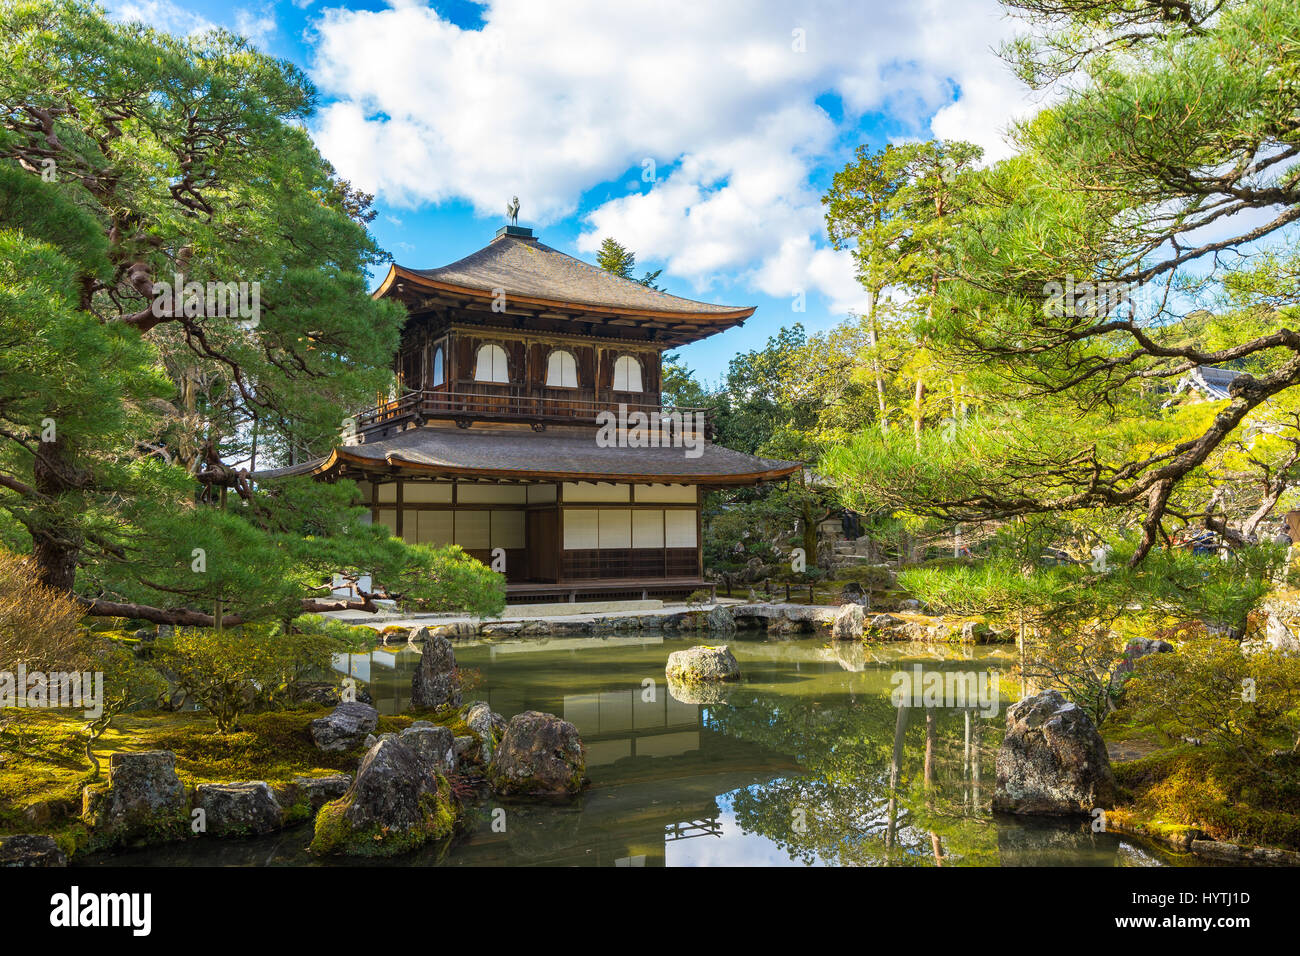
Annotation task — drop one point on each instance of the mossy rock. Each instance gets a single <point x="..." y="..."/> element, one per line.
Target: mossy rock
<point x="395" y="805"/>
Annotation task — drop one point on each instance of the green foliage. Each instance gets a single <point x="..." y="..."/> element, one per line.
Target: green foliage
<point x="616" y="258"/>
<point x="1214" y="791"/>
<point x="1245" y="704"/>
<point x="1171" y="583"/>
<point x="229" y="672"/>
<point x="130" y="157"/>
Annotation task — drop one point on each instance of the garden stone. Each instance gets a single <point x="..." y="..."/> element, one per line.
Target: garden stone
<point x="488" y="726"/>
<point x="345" y="727"/>
<point x="31" y="850"/>
<point x="143" y="800"/>
<point x="539" y="754"/>
<point x="394" y="805"/>
<point x="435" y="746"/>
<point x="849" y="623"/>
<point x="436" y="683"/>
<point x="703" y="663"/>
<point x="852" y="593"/>
<point x="1052" y="760"/>
<point x="720" y="621"/>
<point x="317" y="791"/>
<point x="246" y="808"/>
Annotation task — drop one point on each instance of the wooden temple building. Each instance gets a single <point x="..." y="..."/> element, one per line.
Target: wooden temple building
<point x="527" y="425"/>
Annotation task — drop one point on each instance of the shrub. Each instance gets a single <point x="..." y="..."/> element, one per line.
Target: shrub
<point x="39" y="628"/>
<point x="228" y="672"/>
<point x="1209" y="690"/>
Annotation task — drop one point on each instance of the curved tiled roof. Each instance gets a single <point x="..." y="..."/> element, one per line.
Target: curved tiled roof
<point x="530" y="270"/>
<point x="543" y="456"/>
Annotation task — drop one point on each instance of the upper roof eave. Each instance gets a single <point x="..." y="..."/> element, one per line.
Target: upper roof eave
<point x="706" y="320"/>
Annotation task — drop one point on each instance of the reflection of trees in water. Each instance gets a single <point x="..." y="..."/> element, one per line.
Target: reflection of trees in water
<point x="882" y="784"/>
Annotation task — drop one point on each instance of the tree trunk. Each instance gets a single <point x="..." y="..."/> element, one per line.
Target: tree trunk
<point x="56" y="543"/>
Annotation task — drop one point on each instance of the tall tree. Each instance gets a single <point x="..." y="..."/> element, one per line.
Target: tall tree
<point x="147" y="185"/>
<point x="897" y="208"/>
<point x="614" y="257"/>
<point x="1120" y="249"/>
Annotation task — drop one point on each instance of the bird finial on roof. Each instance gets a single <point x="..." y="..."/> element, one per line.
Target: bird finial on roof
<point x="512" y="211"/>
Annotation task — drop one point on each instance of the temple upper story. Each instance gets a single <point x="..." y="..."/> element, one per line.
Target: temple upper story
<point x="521" y="332"/>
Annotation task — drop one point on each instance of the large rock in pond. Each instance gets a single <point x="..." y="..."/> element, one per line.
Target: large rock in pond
<point x="143" y="801"/>
<point x="539" y="754"/>
<point x="702" y="663"/>
<point x="247" y="808"/>
<point x="345" y="727"/>
<point x="1052" y="760"/>
<point x="436" y="683"/>
<point x="488" y="727"/>
<point x="31" y="850"/>
<point x="849" y="623"/>
<point x="396" y="803"/>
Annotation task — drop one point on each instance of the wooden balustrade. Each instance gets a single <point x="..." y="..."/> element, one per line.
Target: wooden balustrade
<point x="507" y="402"/>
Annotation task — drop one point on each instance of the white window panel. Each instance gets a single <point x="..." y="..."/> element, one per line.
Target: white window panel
<point x="435" y="528"/>
<point x="581" y="530"/>
<point x="615" y="529"/>
<point x="627" y="374"/>
<point x="561" y="370"/>
<point x="679" y="529"/>
<point x="491" y="365"/>
<point x="426" y="492"/>
<point x="474" y="530"/>
<point x="647" y="529"/>
<point x="675" y="494"/>
<point x="595" y="491"/>
<point x="491" y="494"/>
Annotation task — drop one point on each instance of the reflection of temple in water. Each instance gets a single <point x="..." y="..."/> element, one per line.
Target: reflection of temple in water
<point x="659" y="765"/>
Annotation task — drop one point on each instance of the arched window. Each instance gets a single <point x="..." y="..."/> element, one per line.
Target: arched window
<point x="435" y="377"/>
<point x="491" y="365"/>
<point x="562" y="370"/>
<point x="627" y="374"/>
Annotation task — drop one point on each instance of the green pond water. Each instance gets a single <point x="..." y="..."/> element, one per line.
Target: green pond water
<point x="792" y="766"/>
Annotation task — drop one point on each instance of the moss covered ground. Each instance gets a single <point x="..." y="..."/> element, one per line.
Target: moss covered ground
<point x="43" y="767"/>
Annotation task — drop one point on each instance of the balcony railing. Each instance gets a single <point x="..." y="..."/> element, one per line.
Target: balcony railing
<point x="504" y="403"/>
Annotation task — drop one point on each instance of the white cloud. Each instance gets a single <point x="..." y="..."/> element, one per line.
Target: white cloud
<point x="162" y="15"/>
<point x="549" y="101"/>
<point x="257" y="26"/>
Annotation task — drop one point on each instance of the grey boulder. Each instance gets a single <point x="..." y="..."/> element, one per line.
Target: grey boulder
<point x="539" y="754"/>
<point x="345" y="727"/>
<point x="436" y="683"/>
<point x="246" y="808"/>
<point x="1052" y="760"/>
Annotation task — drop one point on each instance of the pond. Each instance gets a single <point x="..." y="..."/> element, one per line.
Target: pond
<point x="792" y="766"/>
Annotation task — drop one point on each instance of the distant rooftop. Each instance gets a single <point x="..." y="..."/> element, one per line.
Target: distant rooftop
<point x="1210" y="380"/>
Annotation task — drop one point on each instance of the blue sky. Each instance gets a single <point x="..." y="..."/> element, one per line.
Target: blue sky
<point x="699" y="135"/>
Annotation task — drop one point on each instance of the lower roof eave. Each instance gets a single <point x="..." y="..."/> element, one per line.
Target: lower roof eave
<point x="391" y="465"/>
